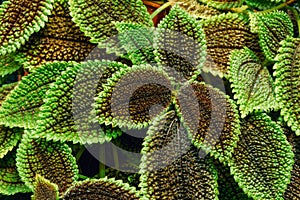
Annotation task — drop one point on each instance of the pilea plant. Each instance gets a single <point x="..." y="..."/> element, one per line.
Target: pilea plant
<point x="203" y="103"/>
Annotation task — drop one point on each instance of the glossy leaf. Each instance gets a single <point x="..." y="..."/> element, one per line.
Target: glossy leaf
<point x="44" y="189"/>
<point x="19" y="20"/>
<point x="21" y="106"/>
<point x="52" y="160"/>
<point x="263" y="158"/>
<point x="9" y="138"/>
<point x="101" y="189"/>
<point x="272" y="28"/>
<point x="287" y="83"/>
<point x="10" y="63"/>
<point x="251" y="82"/>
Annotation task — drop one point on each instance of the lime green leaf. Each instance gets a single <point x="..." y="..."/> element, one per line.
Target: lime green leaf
<point x="263" y="4"/>
<point x="224" y="33"/>
<point x="223" y="4"/>
<point x="5" y="90"/>
<point x="272" y="28"/>
<point x="251" y="82"/>
<point x="133" y="96"/>
<point x="9" y="138"/>
<point x="65" y="114"/>
<point x="263" y="158"/>
<point x="171" y="167"/>
<point x="211" y="119"/>
<point x="101" y="189"/>
<point x="52" y="160"/>
<point x="95" y="18"/>
<point x="44" y="189"/>
<point x="19" y="20"/>
<point x="21" y="106"/>
<point x="10" y="63"/>
<point x="287" y="83"/>
<point x="180" y="43"/>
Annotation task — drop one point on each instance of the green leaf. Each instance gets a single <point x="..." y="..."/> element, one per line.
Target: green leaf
<point x="65" y="115"/>
<point x="101" y="189"/>
<point x="9" y="138"/>
<point x="210" y="117"/>
<point x="21" y="106"/>
<point x="287" y="83"/>
<point x="171" y="167"/>
<point x="10" y="63"/>
<point x="95" y="18"/>
<point x="224" y="33"/>
<point x="251" y="82"/>
<point x="272" y="27"/>
<point x="223" y="4"/>
<point x="180" y="43"/>
<point x="44" y="189"/>
<point x="52" y="160"/>
<point x="132" y="97"/>
<point x="5" y="90"/>
<point x="19" y="20"/>
<point x="264" y="4"/>
<point x="263" y="158"/>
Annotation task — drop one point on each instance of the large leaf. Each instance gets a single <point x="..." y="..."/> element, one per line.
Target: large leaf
<point x="20" y="19"/>
<point x="180" y="43"/>
<point x="9" y="138"/>
<point x="44" y="189"/>
<point x="287" y="83"/>
<point x="52" y="160"/>
<point x="95" y="18"/>
<point x="101" y="189"/>
<point x="263" y="158"/>
<point x="171" y="167"/>
<point x="10" y="63"/>
<point x="251" y="82"/>
<point x="21" y="106"/>
<point x="223" y="4"/>
<point x="272" y="28"/>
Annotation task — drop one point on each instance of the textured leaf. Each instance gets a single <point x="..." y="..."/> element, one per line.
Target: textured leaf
<point x="19" y="20"/>
<point x="95" y="18"/>
<point x="44" y="189"/>
<point x="5" y="90"/>
<point x="251" y="82"/>
<point x="180" y="43"/>
<point x="21" y="106"/>
<point x="263" y="4"/>
<point x="263" y="158"/>
<point x="223" y="4"/>
<point x="287" y="83"/>
<point x="66" y="113"/>
<point x="171" y="167"/>
<point x="271" y="28"/>
<point x="133" y="96"/>
<point x="9" y="138"/>
<point x="52" y="160"/>
<point x="211" y="118"/>
<point x="225" y="33"/>
<point x="101" y="189"/>
<point x="10" y="63"/>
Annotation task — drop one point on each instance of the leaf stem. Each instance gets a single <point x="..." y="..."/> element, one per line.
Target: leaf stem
<point x="80" y="176"/>
<point x="101" y="165"/>
<point x="280" y="6"/>
<point x="79" y="153"/>
<point x="161" y="8"/>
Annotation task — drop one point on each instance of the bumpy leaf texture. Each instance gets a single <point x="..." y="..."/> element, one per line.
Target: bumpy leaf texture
<point x="21" y="106"/>
<point x="52" y="160"/>
<point x="9" y="138"/>
<point x="19" y="20"/>
<point x="287" y="82"/>
<point x="180" y="44"/>
<point x="171" y="167"/>
<point x="10" y="63"/>
<point x="106" y="189"/>
<point x="272" y="28"/>
<point x="263" y="158"/>
<point x="95" y="18"/>
<point x="44" y="189"/>
<point x="211" y="119"/>
<point x="223" y="4"/>
<point x="5" y="90"/>
<point x="225" y="33"/>
<point x="263" y="4"/>
<point x="251" y="82"/>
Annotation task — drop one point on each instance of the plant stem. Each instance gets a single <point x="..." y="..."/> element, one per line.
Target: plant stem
<point x="80" y="152"/>
<point x="161" y="8"/>
<point x="280" y="6"/>
<point x="82" y="176"/>
<point x="101" y="165"/>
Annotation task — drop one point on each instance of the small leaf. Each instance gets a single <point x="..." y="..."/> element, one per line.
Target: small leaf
<point x="223" y="4"/>
<point x="52" y="160"/>
<point x="271" y="28"/>
<point x="10" y="63"/>
<point x="44" y="189"/>
<point x="171" y="167"/>
<point x="101" y="189"/>
<point x="9" y="137"/>
<point x="287" y="83"/>
<point x="263" y="158"/>
<point x="19" y="20"/>
<point x="251" y="82"/>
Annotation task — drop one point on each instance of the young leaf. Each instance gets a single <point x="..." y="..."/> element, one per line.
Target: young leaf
<point x="271" y="28"/>
<point x="9" y="137"/>
<point x="251" y="82"/>
<point x="263" y="158"/>
<point x="101" y="189"/>
<point x="19" y="20"/>
<point x="287" y="83"/>
<point x="21" y="106"/>
<point x="44" y="189"/>
<point x="180" y="43"/>
<point x="10" y="63"/>
<point x="95" y="18"/>
<point x="223" y="4"/>
<point x="171" y="167"/>
<point x="52" y="160"/>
